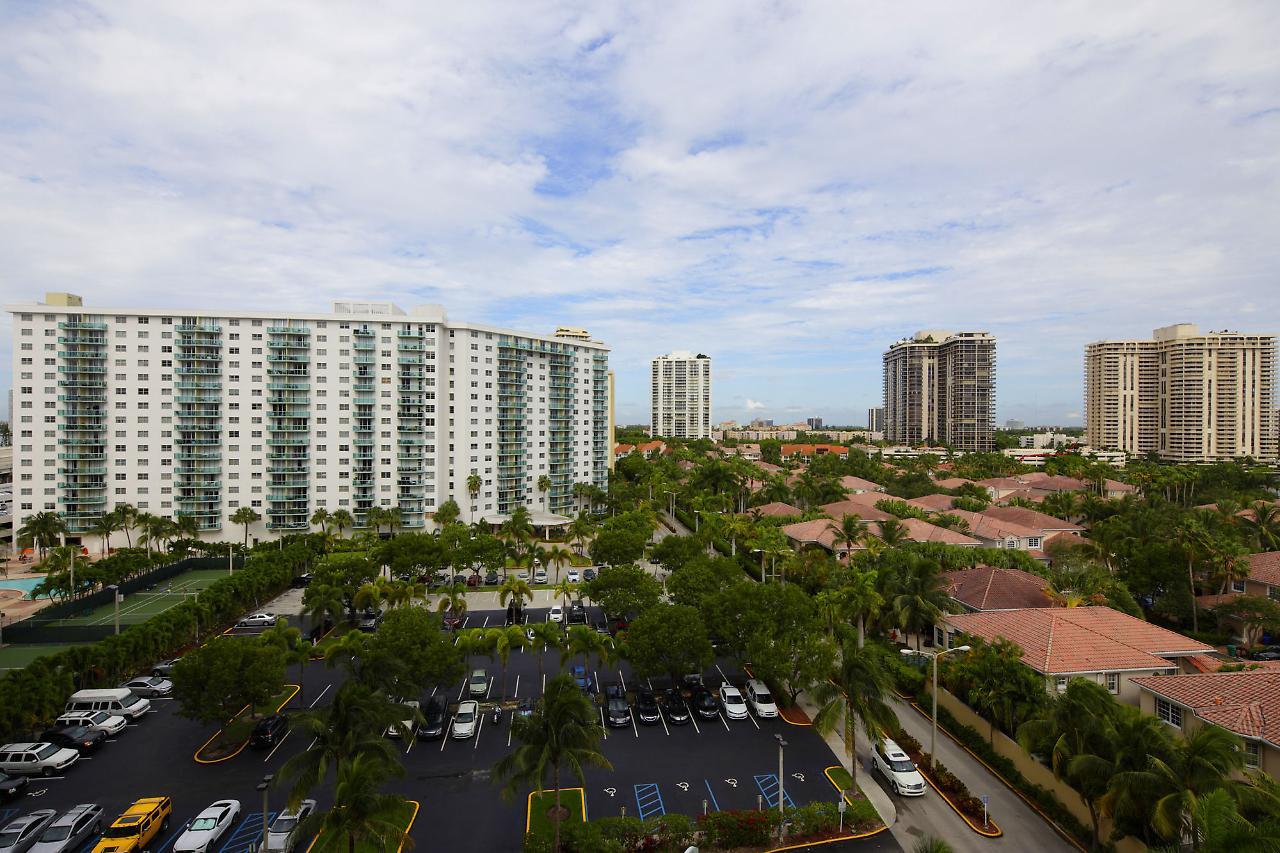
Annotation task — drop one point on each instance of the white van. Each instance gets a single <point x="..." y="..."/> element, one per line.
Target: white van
<point x="119" y="701"/>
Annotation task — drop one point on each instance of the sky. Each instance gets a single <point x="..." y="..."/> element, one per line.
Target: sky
<point x="787" y="187"/>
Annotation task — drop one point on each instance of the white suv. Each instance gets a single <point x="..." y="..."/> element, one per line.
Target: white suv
<point x="760" y="700"/>
<point x="896" y="765"/>
<point x="100" y="720"/>
<point x="36" y="759"/>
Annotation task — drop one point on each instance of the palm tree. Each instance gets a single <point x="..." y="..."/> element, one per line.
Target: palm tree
<point x="1224" y="830"/>
<point x="563" y="731"/>
<point x="544" y="486"/>
<point x="187" y="525"/>
<point x="515" y="591"/>
<point x="546" y="635"/>
<point x="342" y="520"/>
<point x="474" y="484"/>
<point x="518" y="527"/>
<point x="42" y="531"/>
<point x="505" y="639"/>
<point x="103" y="526"/>
<point x="320" y="518"/>
<point x="245" y="515"/>
<point x="585" y="641"/>
<point x="920" y="596"/>
<point x="858" y="688"/>
<point x="127" y="516"/>
<point x="580" y="529"/>
<point x="932" y="844"/>
<point x="453" y="598"/>
<point x="848" y="530"/>
<point x="557" y="556"/>
<point x="565" y="590"/>
<point x="893" y="532"/>
<point x="1263" y="526"/>
<point x="856" y="598"/>
<point x="323" y="602"/>
<point x="447" y="513"/>
<point x="361" y="813"/>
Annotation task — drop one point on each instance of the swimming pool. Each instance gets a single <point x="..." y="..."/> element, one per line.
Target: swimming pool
<point x="24" y="584"/>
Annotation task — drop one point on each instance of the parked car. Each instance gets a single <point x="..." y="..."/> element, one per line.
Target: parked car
<point x="1270" y="653"/>
<point x="735" y="708"/>
<point x="540" y="576"/>
<point x="12" y="787"/>
<point x="460" y="578"/>
<point x="676" y="709"/>
<point x="20" y="834"/>
<point x="208" y="828"/>
<point x="258" y="620"/>
<point x="692" y="681"/>
<point x="452" y="620"/>
<point x="491" y="578"/>
<point x="36" y="759"/>
<point x="617" y="711"/>
<point x="137" y="827"/>
<point x="760" y="700"/>
<point x="588" y="574"/>
<point x="479" y="684"/>
<point x="120" y="701"/>
<point x="269" y="731"/>
<point x="647" y="708"/>
<point x="575" y="576"/>
<point x="70" y="830"/>
<point x="555" y="614"/>
<point x="165" y="668"/>
<point x="149" y="687"/>
<point x="523" y="575"/>
<point x="433" y="719"/>
<point x="577" y="614"/>
<point x="410" y="723"/>
<point x="282" y="834"/>
<point x="473" y="581"/>
<point x="369" y="620"/>
<point x="103" y="721"/>
<point x="464" y="720"/>
<point x="704" y="704"/>
<point x="897" y="768"/>
<point x="83" y="739"/>
<point x="303" y="580"/>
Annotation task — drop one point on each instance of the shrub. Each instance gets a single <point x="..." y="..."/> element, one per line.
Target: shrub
<point x="732" y="829"/>
<point x="668" y="833"/>
<point x="814" y="819"/>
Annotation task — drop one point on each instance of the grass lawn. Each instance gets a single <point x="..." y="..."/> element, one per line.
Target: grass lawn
<point x="18" y="656"/>
<point x="860" y="808"/>
<point x="406" y="812"/>
<point x="231" y="738"/>
<point x="573" y="799"/>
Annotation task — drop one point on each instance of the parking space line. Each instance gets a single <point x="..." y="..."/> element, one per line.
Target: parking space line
<point x="517" y="687"/>
<point x="544" y="683"/>
<point x="722" y="675"/>
<point x="602" y="724"/>
<point x="479" y="729"/>
<point x="649" y="800"/>
<point x="663" y="717"/>
<point x="448" y="733"/>
<point x="693" y="718"/>
<point x="633" y="724"/>
<point x="768" y="785"/>
<point x="712" y="794"/>
<point x="622" y="681"/>
<point x="752" y="718"/>
<point x="489" y="689"/>
<point x="726" y="722"/>
<point x="277" y="746"/>
<point x="168" y="842"/>
<point x="247" y="835"/>
<point x="485" y="623"/>
<point x="462" y="689"/>
<point x="318" y="698"/>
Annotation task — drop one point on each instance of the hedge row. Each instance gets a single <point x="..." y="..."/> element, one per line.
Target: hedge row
<point x="36" y="694"/>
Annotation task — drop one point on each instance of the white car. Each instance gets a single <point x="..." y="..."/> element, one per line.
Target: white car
<point x="735" y="708"/>
<point x="478" y="686"/>
<point x="100" y="720"/>
<point x="760" y="700"/>
<point x="258" y="620"/>
<point x="209" y="826"/>
<point x="410" y="724"/>
<point x="282" y="834"/>
<point x="556" y="614"/>
<point x="464" y="721"/>
<point x="35" y="759"/>
<point x="898" y="769"/>
<point x="540" y="576"/>
<point x="575" y="576"/>
<point x="523" y="575"/>
<point x="149" y="687"/>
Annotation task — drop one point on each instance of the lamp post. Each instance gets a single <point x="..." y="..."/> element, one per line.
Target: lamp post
<point x="1" y="629"/>
<point x="265" y="786"/>
<point x="933" y="735"/>
<point x="230" y="558"/>
<point x="697" y="520"/>
<point x="115" y="596"/>
<point x="782" y="792"/>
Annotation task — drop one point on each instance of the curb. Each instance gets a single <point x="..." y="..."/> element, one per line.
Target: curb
<point x="809" y="844"/>
<point x="983" y="832"/>
<point x="240" y="749"/>
<point x="416" y="807"/>
<point x="528" y="811"/>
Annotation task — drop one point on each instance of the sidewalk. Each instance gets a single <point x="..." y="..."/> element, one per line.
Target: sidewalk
<point x="875" y="794"/>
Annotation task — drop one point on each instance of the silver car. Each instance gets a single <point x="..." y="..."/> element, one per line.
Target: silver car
<point x="464" y="721"/>
<point x="283" y="835"/>
<point x="21" y="833"/>
<point x="70" y="830"/>
<point x="149" y="687"/>
<point x="210" y="825"/>
<point x="101" y="720"/>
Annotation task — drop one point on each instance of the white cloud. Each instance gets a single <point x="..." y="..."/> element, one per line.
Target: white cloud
<point x="788" y="187"/>
<point x="754" y="405"/>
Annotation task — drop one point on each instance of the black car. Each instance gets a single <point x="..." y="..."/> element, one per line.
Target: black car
<point x="460" y="579"/>
<point x="675" y="707"/>
<point x="647" y="708"/>
<point x="83" y="739"/>
<point x="270" y="730"/>
<point x="12" y="787"/>
<point x="705" y="704"/>
<point x="302" y="580"/>
<point x="1269" y="654"/>
<point x="491" y="579"/>
<point x="577" y="614"/>
<point x="617" y="711"/>
<point x="435" y="716"/>
<point x="588" y="575"/>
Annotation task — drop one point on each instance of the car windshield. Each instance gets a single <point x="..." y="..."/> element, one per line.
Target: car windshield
<point x="9" y="840"/>
<point x="284" y="823"/>
<point x="202" y="823"/>
<point x="100" y="717"/>
<point x="49" y="750"/>
<point x="464" y="716"/>
<point x="764" y="698"/>
<point x="130" y="700"/>
<point x="900" y="766"/>
<point x="120" y="832"/>
<point x="54" y="833"/>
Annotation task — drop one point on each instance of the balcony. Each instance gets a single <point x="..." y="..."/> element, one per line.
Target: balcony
<point x="81" y="324"/>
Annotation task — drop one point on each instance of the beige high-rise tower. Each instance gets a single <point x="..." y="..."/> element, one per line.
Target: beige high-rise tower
<point x="941" y="386"/>
<point x="1184" y="395"/>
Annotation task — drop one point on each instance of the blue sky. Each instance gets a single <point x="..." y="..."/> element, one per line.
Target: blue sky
<point x="788" y="187"/>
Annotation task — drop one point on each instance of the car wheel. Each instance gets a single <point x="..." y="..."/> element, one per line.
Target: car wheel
<point x="164" y="824"/>
<point x="46" y="771"/>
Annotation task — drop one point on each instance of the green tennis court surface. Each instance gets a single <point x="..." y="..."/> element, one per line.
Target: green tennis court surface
<point x="142" y="605"/>
<point x="17" y="657"/>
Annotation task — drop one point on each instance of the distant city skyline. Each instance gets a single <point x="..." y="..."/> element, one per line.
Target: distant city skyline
<point x="788" y="188"/>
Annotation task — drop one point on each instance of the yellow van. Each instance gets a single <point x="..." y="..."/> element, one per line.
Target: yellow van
<point x="137" y="827"/>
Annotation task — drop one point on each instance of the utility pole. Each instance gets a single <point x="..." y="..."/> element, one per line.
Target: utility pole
<point x="933" y="734"/>
<point x="782" y="791"/>
<point x="265" y="786"/>
<point x="115" y="596"/>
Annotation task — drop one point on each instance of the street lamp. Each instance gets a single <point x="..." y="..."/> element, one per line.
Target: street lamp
<point x="264" y="786"/>
<point x="1" y="629"/>
<point x="782" y="792"/>
<point x="933" y="736"/>
<point x="115" y="596"/>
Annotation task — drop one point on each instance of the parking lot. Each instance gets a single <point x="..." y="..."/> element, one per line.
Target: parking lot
<point x="711" y="764"/>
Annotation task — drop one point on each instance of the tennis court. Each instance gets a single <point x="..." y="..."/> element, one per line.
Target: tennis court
<point x="140" y="606"/>
<point x="17" y="657"/>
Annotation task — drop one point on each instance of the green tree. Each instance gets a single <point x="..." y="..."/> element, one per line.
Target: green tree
<point x="674" y="552"/>
<point x="544" y="486"/>
<point x="920" y="596"/>
<point x="503" y="640"/>
<point x="474" y="484"/>
<point x="932" y="844"/>
<point x="1261" y="525"/>
<point x="247" y="516"/>
<point x="361" y="813"/>
<point x="42" y="531"/>
<point x="856" y="690"/>
<point x="700" y="579"/>
<point x="323" y="602"/>
<point x="103" y="527"/>
<point x="213" y="682"/>
<point x="516" y="592"/>
<point x="1255" y="613"/>
<point x="624" y="590"/>
<point x="562" y="732"/>
<point x="341" y="520"/>
<point x="320" y="518"/>
<point x="992" y="679"/>
<point x="425" y="654"/>
<point x="669" y="639"/>
<point x="618" y="546"/>
<point x="447" y="513"/>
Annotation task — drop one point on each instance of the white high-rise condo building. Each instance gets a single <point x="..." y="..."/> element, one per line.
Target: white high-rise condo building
<point x="184" y="411"/>
<point x="680" y="396"/>
<point x="1183" y="395"/>
<point x="941" y="387"/>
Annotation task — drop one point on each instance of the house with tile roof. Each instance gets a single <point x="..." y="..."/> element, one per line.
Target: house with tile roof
<point x="815" y="533"/>
<point x="1053" y="482"/>
<point x="1246" y="703"/>
<point x="818" y="533"/>
<point x="1034" y="495"/>
<point x="862" y="509"/>
<point x="998" y="487"/>
<point x="808" y="451"/>
<point x="995" y="532"/>
<point x="1097" y="643"/>
<point x="857" y="486"/>
<point x="933" y="503"/>
<point x="984" y="588"/>
<point x="623" y="449"/>
<point x="1263" y="580"/>
<point x="652" y="448"/>
<point x="776" y="509"/>
<point x="1117" y="489"/>
<point x="1046" y="524"/>
<point x="951" y="482"/>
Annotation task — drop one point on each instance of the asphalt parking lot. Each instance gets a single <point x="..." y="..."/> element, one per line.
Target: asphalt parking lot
<point x="713" y="763"/>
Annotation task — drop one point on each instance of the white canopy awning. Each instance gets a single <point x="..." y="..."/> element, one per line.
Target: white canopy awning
<point x="536" y="518"/>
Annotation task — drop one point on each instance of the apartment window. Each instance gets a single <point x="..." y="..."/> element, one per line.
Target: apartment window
<point x="1252" y="753"/>
<point x="1113" y="682"/>
<point x="1237" y="586"/>
<point x="1168" y="712"/>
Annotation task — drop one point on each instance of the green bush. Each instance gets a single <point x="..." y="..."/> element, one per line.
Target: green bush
<point x="731" y="829"/>
<point x="814" y="819"/>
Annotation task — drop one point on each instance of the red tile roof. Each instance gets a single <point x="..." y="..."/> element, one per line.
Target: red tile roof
<point x="988" y="527"/>
<point x="777" y="509"/>
<point x="1033" y="495"/>
<point x="951" y="482"/>
<point x="813" y="449"/>
<point x="862" y="509"/>
<point x="923" y="531"/>
<point x="1265" y="567"/>
<point x="991" y="588"/>
<point x="1031" y="518"/>
<point x="859" y="484"/>
<point x="1002" y="483"/>
<point x="816" y="532"/>
<point x="1053" y="482"/>
<point x="624" y="449"/>
<point x="1246" y="702"/>
<point x="934" y="503"/>
<point x="1062" y="641"/>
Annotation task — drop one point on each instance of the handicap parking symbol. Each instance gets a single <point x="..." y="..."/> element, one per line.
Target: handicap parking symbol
<point x="733" y="783"/>
<point x="683" y="786"/>
<point x="611" y="791"/>
<point x="798" y="776"/>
